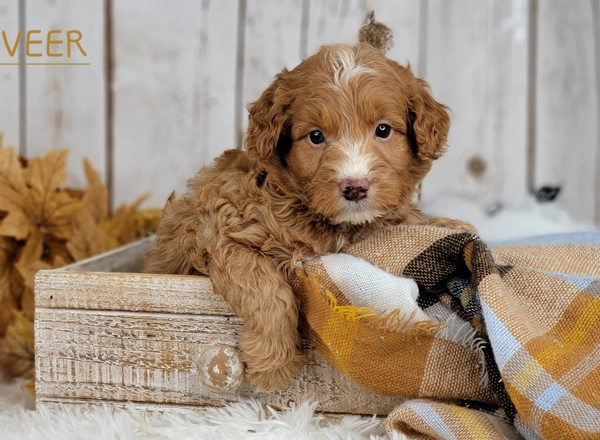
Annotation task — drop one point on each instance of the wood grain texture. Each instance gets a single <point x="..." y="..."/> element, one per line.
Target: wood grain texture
<point x="272" y="41"/>
<point x="176" y="294"/>
<point x="338" y="21"/>
<point x="567" y="83"/>
<point x="127" y="258"/>
<point x="10" y="81"/>
<point x="477" y="65"/>
<point x="65" y="105"/>
<point x="174" y="92"/>
<point x="151" y="358"/>
<point x="60" y="403"/>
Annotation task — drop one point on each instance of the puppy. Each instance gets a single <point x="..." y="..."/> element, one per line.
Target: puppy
<point x="334" y="150"/>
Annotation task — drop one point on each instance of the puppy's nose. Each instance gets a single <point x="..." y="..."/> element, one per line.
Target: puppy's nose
<point x="354" y="189"/>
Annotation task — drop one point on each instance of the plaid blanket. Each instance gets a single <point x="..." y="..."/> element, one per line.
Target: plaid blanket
<point x="499" y="342"/>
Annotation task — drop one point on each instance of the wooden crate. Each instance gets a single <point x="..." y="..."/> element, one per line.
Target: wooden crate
<point x="107" y="334"/>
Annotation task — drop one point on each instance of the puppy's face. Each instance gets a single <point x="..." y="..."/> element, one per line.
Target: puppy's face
<point x="355" y="132"/>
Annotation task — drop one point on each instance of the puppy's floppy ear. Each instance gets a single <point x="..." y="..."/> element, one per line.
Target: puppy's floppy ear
<point x="430" y="120"/>
<point x="266" y="120"/>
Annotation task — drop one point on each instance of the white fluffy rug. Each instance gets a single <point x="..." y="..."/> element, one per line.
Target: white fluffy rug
<point x="250" y="420"/>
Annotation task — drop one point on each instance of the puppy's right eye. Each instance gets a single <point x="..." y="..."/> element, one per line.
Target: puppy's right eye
<point x="383" y="131"/>
<point x="316" y="137"/>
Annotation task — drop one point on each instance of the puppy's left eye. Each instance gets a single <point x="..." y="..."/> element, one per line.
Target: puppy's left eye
<point x="383" y="131"/>
<point x="316" y="137"/>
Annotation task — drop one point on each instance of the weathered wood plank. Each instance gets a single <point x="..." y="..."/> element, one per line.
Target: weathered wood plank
<point x="127" y="258"/>
<point x="566" y="147"/>
<point x="477" y="65"/>
<point x="174" y="92"/>
<point x="150" y="358"/>
<point x="128" y="292"/>
<point x="60" y="403"/>
<point x="338" y="21"/>
<point x="65" y="105"/>
<point x="272" y="41"/>
<point x="10" y="81"/>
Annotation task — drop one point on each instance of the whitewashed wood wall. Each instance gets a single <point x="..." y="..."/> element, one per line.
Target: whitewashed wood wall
<point x="168" y="82"/>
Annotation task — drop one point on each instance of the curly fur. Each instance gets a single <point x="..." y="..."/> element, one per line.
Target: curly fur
<point x="249" y="217"/>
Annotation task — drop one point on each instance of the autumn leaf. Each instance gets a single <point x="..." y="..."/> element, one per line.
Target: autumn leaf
<point x="47" y="174"/>
<point x="31" y="196"/>
<point x="27" y="265"/>
<point x="16" y="348"/>
<point x="28" y="272"/>
<point x="88" y="239"/>
<point x="124" y="226"/>
<point x="150" y="218"/>
<point x="16" y="224"/>
<point x="11" y="173"/>
<point x="27" y="305"/>
<point x="11" y="282"/>
<point x="53" y="214"/>
<point x="12" y="184"/>
<point x="59" y="261"/>
<point x="55" y="252"/>
<point x="8" y="302"/>
<point x="33" y="249"/>
<point x="96" y="193"/>
<point x="33" y="210"/>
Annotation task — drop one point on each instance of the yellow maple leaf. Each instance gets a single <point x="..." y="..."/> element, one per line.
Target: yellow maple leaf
<point x="88" y="238"/>
<point x="16" y="224"/>
<point x="11" y="282"/>
<point x="53" y="212"/>
<point x="27" y="305"/>
<point x="11" y="173"/>
<point x="7" y="298"/>
<point x="124" y="226"/>
<point x="150" y="218"/>
<point x="49" y="212"/>
<point x="55" y="252"/>
<point x="48" y="173"/>
<point x="32" y="250"/>
<point x="96" y="193"/>
<point x="12" y="184"/>
<point x="16" y="348"/>
<point x="27" y="265"/>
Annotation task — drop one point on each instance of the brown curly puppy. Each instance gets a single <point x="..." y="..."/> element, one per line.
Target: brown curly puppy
<point x="334" y="149"/>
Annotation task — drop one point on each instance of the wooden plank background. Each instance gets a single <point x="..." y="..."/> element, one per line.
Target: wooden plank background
<point x="168" y="83"/>
<point x="65" y="105"/>
<point x="477" y="63"/>
<point x="568" y="86"/>
<point x="10" y="76"/>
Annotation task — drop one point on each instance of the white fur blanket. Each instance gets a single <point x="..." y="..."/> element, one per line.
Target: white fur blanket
<point x="249" y="420"/>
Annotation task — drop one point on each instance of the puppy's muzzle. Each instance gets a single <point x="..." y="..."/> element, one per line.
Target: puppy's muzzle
<point x="354" y="189"/>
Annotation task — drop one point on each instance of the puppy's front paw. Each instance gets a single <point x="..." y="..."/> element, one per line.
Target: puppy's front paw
<point x="270" y="367"/>
<point x="278" y="376"/>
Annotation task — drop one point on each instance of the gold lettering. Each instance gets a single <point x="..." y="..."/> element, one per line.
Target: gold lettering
<point x="29" y="42"/>
<point x="76" y="41"/>
<point x="15" y="46"/>
<point x="51" y="41"/>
